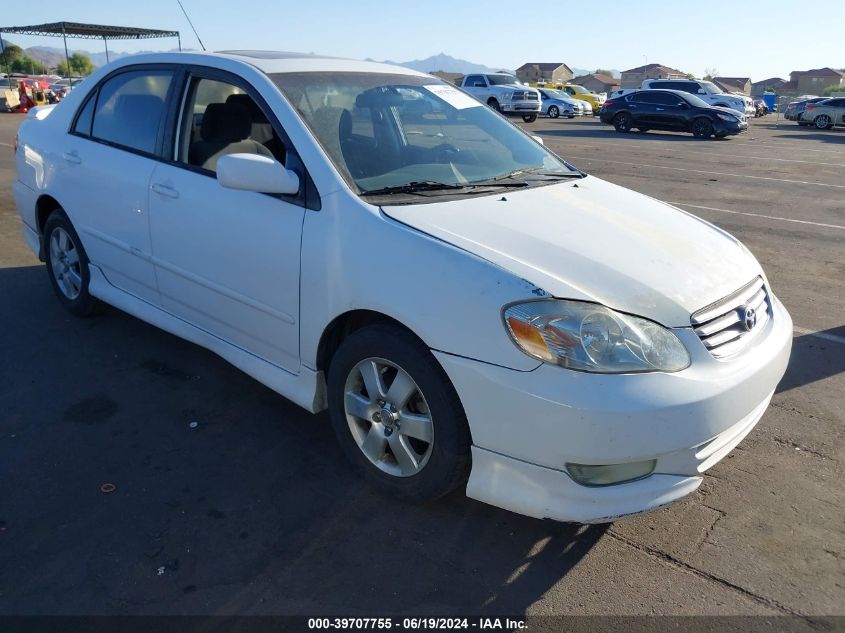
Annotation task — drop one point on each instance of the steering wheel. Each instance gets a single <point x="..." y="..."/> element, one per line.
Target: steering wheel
<point x="445" y="152"/>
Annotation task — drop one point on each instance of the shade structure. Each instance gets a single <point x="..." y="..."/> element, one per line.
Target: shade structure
<point x="87" y="32"/>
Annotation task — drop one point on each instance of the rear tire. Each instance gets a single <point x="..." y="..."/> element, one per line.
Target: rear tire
<point x="623" y="122"/>
<point x="702" y="128"/>
<point x="529" y="118"/>
<point x="67" y="266"/>
<point x="823" y="122"/>
<point x="368" y="427"/>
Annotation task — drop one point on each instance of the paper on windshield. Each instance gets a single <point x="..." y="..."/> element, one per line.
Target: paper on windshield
<point x="452" y="96"/>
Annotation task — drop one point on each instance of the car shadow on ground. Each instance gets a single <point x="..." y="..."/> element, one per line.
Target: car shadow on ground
<point x="145" y="475"/>
<point x="814" y="358"/>
<point x="652" y="135"/>
<point x="836" y="135"/>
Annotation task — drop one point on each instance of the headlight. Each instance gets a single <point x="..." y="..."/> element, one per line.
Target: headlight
<point x="727" y="117"/>
<point x="590" y="337"/>
<point x="507" y="96"/>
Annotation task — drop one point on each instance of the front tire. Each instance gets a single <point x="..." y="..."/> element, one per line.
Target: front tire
<point x="529" y="118"/>
<point x="396" y="415"/>
<point x="554" y="112"/>
<point x="702" y="128"/>
<point x="494" y="104"/>
<point x="67" y="266"/>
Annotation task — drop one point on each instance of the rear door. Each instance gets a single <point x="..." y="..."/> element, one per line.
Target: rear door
<point x="227" y="261"/>
<point x="107" y="160"/>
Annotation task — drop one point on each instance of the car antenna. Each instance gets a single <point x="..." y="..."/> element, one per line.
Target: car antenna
<point x="191" y="24"/>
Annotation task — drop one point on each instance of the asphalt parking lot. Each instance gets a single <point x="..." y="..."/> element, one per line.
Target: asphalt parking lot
<point x="254" y="511"/>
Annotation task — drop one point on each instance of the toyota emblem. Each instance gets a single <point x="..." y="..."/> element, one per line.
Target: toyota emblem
<point x="749" y="318"/>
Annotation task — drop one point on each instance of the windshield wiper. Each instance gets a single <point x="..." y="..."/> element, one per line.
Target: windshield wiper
<point x="416" y="186"/>
<point x="523" y="172"/>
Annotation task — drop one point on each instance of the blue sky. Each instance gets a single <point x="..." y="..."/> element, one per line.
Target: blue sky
<point x="759" y="40"/>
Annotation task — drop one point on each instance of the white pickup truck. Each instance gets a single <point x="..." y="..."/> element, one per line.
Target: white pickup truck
<point x="504" y="94"/>
<point x="705" y="90"/>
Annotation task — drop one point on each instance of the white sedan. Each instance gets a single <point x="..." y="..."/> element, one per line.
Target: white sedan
<point x="470" y="308"/>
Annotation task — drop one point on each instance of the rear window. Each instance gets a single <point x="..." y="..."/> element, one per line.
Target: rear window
<point x="130" y="109"/>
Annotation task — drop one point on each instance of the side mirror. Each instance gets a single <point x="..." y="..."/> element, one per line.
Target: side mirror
<point x="683" y="105"/>
<point x="253" y="172"/>
<point x="539" y="139"/>
<point x="479" y="84"/>
<point x="702" y="91"/>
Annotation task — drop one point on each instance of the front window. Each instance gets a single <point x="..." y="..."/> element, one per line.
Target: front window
<point x="412" y="136"/>
<point x="578" y="90"/>
<point x="710" y="88"/>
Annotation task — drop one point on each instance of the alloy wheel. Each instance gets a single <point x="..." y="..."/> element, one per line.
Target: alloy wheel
<point x="554" y="112"/>
<point x="388" y="417"/>
<point x="822" y="122"/>
<point x="64" y="261"/>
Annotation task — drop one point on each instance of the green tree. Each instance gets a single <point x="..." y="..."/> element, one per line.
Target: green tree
<point x="604" y="71"/>
<point x="834" y="88"/>
<point x="10" y="54"/>
<point x="709" y="73"/>
<point x="28" y="65"/>
<point x="80" y="66"/>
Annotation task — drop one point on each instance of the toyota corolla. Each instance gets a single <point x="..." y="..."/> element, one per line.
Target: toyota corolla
<point x="471" y="309"/>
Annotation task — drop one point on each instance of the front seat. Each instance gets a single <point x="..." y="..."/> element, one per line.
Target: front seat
<point x="225" y="129"/>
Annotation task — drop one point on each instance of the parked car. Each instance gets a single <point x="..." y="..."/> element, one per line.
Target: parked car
<point x="674" y="111"/>
<point x="707" y="91"/>
<point x="469" y="307"/>
<point x="594" y="99"/>
<point x="794" y="109"/>
<point x="504" y="94"/>
<point x="824" y="114"/>
<point x="555" y="103"/>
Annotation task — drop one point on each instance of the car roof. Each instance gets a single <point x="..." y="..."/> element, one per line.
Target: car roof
<point x="271" y="62"/>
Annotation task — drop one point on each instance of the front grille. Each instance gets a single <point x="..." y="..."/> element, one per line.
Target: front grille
<point x="728" y="325"/>
<point x="525" y="95"/>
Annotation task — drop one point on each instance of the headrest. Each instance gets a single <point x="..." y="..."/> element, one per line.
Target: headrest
<point x="255" y="113"/>
<point x="345" y="126"/>
<point x="134" y="106"/>
<point x="225" y="122"/>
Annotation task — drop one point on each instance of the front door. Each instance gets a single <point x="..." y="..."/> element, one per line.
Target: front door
<point x="227" y="261"/>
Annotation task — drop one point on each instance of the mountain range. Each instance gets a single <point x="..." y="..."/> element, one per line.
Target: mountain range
<point x="51" y="56"/>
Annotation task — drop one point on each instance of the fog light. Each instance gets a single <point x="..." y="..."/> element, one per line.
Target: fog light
<point x="609" y="474"/>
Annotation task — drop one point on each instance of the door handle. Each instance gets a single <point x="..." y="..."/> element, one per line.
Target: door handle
<point x="72" y="157"/>
<point x="659" y="109"/>
<point x="164" y="190"/>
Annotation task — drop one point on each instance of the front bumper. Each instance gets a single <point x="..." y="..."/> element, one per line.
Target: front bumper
<point x="727" y="128"/>
<point x="526" y="426"/>
<point x="526" y="107"/>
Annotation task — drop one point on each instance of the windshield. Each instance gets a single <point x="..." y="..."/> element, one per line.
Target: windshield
<point x="710" y="88"/>
<point x="557" y="94"/>
<point x="580" y="90"/>
<point x="389" y="131"/>
<point x="501" y="80"/>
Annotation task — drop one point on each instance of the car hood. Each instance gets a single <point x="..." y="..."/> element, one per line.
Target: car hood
<point x="591" y="240"/>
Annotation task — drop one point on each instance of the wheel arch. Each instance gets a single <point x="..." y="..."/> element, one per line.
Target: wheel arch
<point x="345" y="324"/>
<point x="44" y="206"/>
